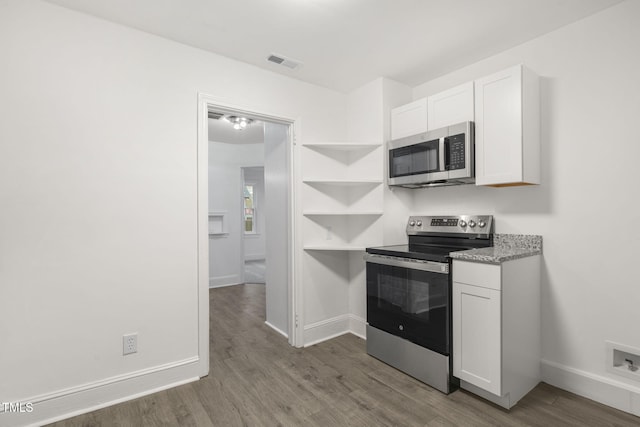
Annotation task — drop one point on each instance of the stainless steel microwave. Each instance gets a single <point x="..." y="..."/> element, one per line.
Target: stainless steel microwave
<point x="442" y="156"/>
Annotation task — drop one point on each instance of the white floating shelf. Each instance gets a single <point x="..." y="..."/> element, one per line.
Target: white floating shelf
<point x="341" y="213"/>
<point x="343" y="182"/>
<point x="343" y="146"/>
<point x="334" y="248"/>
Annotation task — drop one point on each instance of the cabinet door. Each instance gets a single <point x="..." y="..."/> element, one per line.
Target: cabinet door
<point x="477" y="346"/>
<point x="498" y="127"/>
<point x="451" y="106"/>
<point x="409" y="119"/>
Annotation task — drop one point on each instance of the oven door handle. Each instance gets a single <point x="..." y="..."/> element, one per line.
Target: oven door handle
<point x="412" y="264"/>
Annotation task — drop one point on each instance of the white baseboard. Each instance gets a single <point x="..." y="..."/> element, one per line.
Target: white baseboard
<point x="358" y="326"/>
<point x="221" y="281"/>
<point x="71" y="402"/>
<point x="607" y="391"/>
<point x="280" y="331"/>
<point x="324" y="330"/>
<point x="225" y="286"/>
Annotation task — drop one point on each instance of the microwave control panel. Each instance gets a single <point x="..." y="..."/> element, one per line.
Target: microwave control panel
<point x="456" y="152"/>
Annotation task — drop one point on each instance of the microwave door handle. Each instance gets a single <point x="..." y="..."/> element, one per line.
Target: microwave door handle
<point x="441" y="155"/>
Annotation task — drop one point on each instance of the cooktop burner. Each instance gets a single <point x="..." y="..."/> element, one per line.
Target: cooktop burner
<point x="432" y="238"/>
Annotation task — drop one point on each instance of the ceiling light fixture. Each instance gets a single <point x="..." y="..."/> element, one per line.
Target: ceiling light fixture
<point x="238" y="122"/>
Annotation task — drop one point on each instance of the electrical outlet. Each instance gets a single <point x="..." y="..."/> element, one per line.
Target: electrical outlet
<point x="623" y="360"/>
<point x="129" y="344"/>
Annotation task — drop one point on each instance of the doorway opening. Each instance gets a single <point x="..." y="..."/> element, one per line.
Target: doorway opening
<point x="248" y="162"/>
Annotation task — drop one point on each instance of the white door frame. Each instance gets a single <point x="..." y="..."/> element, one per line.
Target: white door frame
<point x="244" y="236"/>
<point x="206" y="102"/>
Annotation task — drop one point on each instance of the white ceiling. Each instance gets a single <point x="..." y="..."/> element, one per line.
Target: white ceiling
<point x="346" y="43"/>
<point x="222" y="131"/>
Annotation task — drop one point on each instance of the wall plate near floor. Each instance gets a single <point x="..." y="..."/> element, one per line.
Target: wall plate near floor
<point x="129" y="344"/>
<point x="623" y="360"/>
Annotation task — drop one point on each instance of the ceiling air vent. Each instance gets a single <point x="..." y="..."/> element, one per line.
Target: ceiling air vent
<point x="215" y="115"/>
<point x="281" y="60"/>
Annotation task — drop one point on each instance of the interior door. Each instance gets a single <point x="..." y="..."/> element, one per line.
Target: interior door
<point x="277" y="219"/>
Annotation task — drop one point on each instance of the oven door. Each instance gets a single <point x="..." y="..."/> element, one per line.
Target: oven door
<point x="410" y="299"/>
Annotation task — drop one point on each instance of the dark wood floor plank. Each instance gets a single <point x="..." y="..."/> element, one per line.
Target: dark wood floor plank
<point x="257" y="379"/>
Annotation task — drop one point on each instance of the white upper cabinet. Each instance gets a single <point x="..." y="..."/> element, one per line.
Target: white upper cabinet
<point x="409" y="119"/>
<point x="452" y="106"/>
<point x="507" y="128"/>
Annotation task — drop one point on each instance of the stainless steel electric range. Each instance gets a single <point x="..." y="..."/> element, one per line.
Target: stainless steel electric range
<point x="409" y="295"/>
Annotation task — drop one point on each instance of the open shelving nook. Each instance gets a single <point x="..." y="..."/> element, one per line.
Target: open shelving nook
<point x="342" y="214"/>
<point x="343" y="196"/>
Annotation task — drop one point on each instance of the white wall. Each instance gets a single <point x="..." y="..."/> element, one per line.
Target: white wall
<point x="587" y="206"/>
<point x="369" y="112"/>
<point x="226" y="252"/>
<point x="397" y="200"/>
<point x="98" y="192"/>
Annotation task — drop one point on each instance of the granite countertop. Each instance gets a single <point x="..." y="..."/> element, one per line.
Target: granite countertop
<point x="506" y="247"/>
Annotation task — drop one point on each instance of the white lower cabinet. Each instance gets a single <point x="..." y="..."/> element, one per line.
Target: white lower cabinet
<point x="496" y="328"/>
<point x="477" y="332"/>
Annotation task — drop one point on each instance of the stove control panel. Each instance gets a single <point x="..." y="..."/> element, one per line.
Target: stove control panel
<point x="466" y="224"/>
<point x="444" y="222"/>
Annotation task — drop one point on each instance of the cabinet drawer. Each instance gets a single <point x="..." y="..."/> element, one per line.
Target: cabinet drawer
<point x="477" y="274"/>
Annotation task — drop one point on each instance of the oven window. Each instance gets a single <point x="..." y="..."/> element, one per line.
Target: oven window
<point x="412" y="304"/>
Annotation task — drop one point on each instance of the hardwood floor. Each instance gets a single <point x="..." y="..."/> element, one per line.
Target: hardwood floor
<point x="257" y="379"/>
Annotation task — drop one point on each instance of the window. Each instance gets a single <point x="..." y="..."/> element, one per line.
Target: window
<point x="249" y="209"/>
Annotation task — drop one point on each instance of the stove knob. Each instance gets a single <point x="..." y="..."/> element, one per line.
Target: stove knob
<point x="412" y="223"/>
<point x="419" y="223"/>
<point x="482" y="224"/>
<point x="463" y="223"/>
<point x="472" y="223"/>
